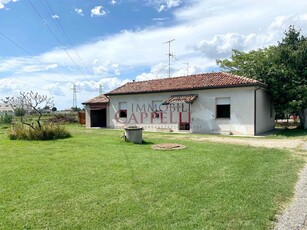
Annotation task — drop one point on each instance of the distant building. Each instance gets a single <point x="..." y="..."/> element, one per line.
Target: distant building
<point x="4" y="107"/>
<point x="204" y="103"/>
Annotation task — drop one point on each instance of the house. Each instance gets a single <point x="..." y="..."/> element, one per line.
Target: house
<point x="220" y="103"/>
<point x="4" y="107"/>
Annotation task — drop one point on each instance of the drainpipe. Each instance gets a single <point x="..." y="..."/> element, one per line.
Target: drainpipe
<point x="255" y="110"/>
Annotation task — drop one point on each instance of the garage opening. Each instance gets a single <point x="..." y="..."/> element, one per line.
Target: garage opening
<point x="99" y="118"/>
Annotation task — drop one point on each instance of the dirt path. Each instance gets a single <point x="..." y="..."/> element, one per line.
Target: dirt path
<point x="298" y="145"/>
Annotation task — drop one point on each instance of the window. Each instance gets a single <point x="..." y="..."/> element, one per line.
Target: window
<point x="223" y="107"/>
<point x="123" y="109"/>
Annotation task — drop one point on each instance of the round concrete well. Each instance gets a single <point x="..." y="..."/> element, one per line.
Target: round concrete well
<point x="134" y="134"/>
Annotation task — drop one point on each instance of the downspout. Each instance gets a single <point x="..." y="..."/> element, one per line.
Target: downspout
<point x="255" y="110"/>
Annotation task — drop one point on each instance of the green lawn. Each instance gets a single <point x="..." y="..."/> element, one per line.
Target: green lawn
<point x="95" y="180"/>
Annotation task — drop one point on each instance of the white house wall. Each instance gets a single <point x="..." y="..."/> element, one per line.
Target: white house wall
<point x="87" y="116"/>
<point x="202" y="112"/>
<point x="265" y="117"/>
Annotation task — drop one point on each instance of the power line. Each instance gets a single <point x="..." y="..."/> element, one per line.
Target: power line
<point x="55" y="37"/>
<point x="16" y="44"/>
<point x="61" y="28"/>
<point x="27" y="52"/>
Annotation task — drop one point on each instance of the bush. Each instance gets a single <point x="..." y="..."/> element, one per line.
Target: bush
<point x="6" y="118"/>
<point x="64" y="118"/>
<point x="48" y="132"/>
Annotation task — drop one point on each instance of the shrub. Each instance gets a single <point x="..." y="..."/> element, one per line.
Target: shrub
<point x="48" y="132"/>
<point x="6" y="118"/>
<point x="64" y="118"/>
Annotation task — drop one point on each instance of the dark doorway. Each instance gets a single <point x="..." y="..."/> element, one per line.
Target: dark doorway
<point x="99" y="118"/>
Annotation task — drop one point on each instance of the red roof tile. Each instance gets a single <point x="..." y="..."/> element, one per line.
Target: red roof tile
<point x="192" y="82"/>
<point x="101" y="99"/>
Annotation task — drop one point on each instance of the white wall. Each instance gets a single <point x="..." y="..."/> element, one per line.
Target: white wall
<point x="87" y="116"/>
<point x="264" y="112"/>
<point x="203" y="111"/>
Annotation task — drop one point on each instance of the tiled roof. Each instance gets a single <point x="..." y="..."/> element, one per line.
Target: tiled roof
<point x="101" y="99"/>
<point x="192" y="82"/>
<point x="181" y="98"/>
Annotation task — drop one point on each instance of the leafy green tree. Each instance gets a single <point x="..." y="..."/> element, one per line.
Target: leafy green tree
<point x="283" y="68"/>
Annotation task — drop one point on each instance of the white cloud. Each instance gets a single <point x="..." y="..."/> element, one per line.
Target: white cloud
<point x="54" y="89"/>
<point x="162" y="71"/>
<point x="4" y="2"/>
<point x="98" y="11"/>
<point x="79" y="11"/>
<point x="105" y="68"/>
<point x="161" y="5"/>
<point x="55" y="16"/>
<point x="282" y="23"/>
<point x="222" y="45"/>
<point x="12" y="87"/>
<point x="107" y="84"/>
<point x="113" y="2"/>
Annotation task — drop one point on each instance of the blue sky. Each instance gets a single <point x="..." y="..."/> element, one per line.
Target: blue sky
<point x="48" y="45"/>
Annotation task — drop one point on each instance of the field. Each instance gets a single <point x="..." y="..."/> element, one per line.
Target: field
<point x="95" y="180"/>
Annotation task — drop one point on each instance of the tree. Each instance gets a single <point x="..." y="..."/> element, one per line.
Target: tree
<point x="283" y="68"/>
<point x="29" y="102"/>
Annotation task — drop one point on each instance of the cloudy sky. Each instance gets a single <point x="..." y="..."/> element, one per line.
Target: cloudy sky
<point x="47" y="46"/>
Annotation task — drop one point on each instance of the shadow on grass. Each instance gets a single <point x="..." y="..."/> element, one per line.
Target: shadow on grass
<point x="296" y="132"/>
<point x="147" y="143"/>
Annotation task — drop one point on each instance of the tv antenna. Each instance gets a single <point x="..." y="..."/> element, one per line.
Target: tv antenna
<point x="169" y="56"/>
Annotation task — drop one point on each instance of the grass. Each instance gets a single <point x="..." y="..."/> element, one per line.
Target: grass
<point x="95" y="180"/>
<point x="295" y="132"/>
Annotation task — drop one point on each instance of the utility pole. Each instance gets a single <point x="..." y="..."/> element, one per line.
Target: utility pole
<point x="188" y="66"/>
<point x="100" y="89"/>
<point x="169" y="56"/>
<point x="74" y="100"/>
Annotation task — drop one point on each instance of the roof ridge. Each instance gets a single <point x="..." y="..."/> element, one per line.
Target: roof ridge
<point x="158" y="79"/>
<point x="190" y="82"/>
<point x="238" y="76"/>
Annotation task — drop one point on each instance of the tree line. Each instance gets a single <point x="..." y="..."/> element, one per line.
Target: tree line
<point x="282" y="67"/>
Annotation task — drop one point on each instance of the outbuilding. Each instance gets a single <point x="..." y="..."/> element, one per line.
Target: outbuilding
<point x="220" y="103"/>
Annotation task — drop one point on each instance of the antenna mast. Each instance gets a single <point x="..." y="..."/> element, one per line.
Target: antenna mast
<point x="169" y="56"/>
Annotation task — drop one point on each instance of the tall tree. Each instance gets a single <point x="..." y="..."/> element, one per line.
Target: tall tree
<point x="283" y="68"/>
